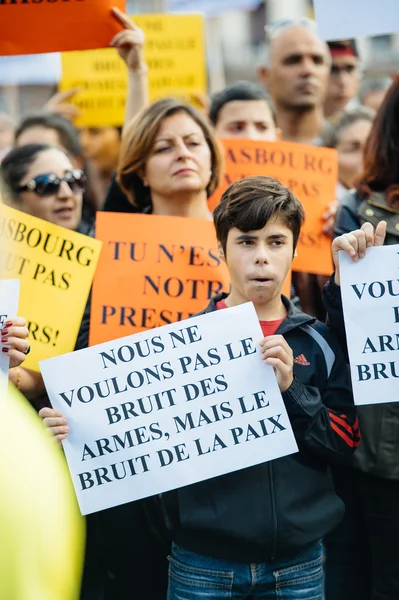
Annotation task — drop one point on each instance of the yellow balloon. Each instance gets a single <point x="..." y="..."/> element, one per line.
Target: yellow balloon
<point x="42" y="531"/>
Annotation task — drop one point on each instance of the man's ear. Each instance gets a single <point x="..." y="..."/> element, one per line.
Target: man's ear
<point x="279" y="135"/>
<point x="295" y="253"/>
<point x="263" y="76"/>
<point x="221" y="251"/>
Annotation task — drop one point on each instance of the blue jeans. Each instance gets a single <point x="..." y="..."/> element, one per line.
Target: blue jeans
<point x="196" y="577"/>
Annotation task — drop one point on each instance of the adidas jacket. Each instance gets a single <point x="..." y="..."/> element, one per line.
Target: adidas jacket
<point x="276" y="509"/>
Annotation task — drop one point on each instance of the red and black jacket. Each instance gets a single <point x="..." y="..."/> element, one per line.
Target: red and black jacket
<point x="278" y="508"/>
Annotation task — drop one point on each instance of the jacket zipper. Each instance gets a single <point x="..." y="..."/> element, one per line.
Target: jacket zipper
<point x="274" y="511"/>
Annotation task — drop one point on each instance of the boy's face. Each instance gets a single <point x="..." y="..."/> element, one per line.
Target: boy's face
<point x="259" y="261"/>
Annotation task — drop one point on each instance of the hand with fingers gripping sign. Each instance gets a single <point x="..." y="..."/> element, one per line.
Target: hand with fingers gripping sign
<point x="56" y="423"/>
<point x="276" y="352"/>
<point x="356" y="243"/>
<point x="13" y="340"/>
<point x="130" y="42"/>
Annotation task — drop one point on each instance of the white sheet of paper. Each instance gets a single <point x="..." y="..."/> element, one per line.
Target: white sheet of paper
<point x="342" y="19"/>
<point x="9" y="298"/>
<point x="180" y="415"/>
<point x="370" y="296"/>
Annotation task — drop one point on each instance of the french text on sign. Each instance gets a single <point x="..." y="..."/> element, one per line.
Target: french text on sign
<point x="170" y="272"/>
<point x="55" y="267"/>
<point x="370" y="296"/>
<point x="308" y="171"/>
<point x="174" y="51"/>
<point x="168" y="407"/>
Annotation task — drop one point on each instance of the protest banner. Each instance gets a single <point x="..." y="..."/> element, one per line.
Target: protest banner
<point x="55" y="267"/>
<point x="9" y="299"/>
<point x="341" y="19"/>
<point x="32" y="27"/>
<point x="174" y="52"/>
<point x="164" y="409"/>
<point x="169" y="272"/>
<point x="310" y="172"/>
<point x="152" y="271"/>
<point x="370" y="296"/>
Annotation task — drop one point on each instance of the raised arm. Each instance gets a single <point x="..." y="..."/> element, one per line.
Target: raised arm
<point x="130" y="46"/>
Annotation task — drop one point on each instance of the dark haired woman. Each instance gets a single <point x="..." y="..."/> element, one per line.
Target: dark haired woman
<point x="362" y="554"/>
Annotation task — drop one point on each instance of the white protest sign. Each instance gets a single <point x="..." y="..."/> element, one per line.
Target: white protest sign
<point x="340" y="19"/>
<point x="370" y="296"/>
<point x="9" y="298"/>
<point x="168" y="407"/>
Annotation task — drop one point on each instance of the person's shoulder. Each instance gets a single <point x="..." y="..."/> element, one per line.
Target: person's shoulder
<point x="351" y="200"/>
<point x="347" y="219"/>
<point x="324" y="334"/>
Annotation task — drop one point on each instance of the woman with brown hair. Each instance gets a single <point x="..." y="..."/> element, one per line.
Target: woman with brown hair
<point x="362" y="553"/>
<point x="170" y="160"/>
<point x="170" y="164"/>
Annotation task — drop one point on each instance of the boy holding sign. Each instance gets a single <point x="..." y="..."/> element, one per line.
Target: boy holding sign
<point x="260" y="528"/>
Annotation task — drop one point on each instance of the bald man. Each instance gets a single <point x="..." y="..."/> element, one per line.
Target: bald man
<point x="296" y="74"/>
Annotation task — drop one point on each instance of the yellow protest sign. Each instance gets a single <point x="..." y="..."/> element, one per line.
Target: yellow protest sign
<point x="56" y="268"/>
<point x="174" y="52"/>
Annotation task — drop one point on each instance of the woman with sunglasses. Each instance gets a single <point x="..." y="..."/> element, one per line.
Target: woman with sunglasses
<point x="41" y="181"/>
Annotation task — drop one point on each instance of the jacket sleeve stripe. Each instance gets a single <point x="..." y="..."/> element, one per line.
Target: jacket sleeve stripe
<point x="351" y="442"/>
<point x="354" y="431"/>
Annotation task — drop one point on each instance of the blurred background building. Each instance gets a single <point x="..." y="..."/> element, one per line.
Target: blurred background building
<point x="235" y="45"/>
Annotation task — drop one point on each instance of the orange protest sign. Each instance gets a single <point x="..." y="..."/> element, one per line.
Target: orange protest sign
<point x="152" y="271"/>
<point x="310" y="172"/>
<point x="36" y="26"/>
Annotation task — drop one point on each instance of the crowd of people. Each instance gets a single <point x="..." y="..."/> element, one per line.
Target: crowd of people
<point x="324" y="518"/>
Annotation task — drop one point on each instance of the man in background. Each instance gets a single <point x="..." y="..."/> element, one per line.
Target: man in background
<point x="296" y="73"/>
<point x="344" y="80"/>
<point x="242" y="110"/>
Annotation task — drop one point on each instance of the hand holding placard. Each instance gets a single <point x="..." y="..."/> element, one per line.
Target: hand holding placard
<point x="31" y="27"/>
<point x="129" y="42"/>
<point x="370" y="296"/>
<point x="355" y="244"/>
<point x="167" y="408"/>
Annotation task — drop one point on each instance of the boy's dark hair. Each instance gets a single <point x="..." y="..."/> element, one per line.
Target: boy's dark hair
<point x="240" y="90"/>
<point x="250" y="203"/>
<point x="67" y="133"/>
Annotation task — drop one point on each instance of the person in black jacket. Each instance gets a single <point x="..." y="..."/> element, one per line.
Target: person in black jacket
<point x="256" y="532"/>
<point x="362" y="553"/>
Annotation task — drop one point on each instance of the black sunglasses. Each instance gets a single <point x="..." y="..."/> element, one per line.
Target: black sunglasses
<point x="49" y="184"/>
